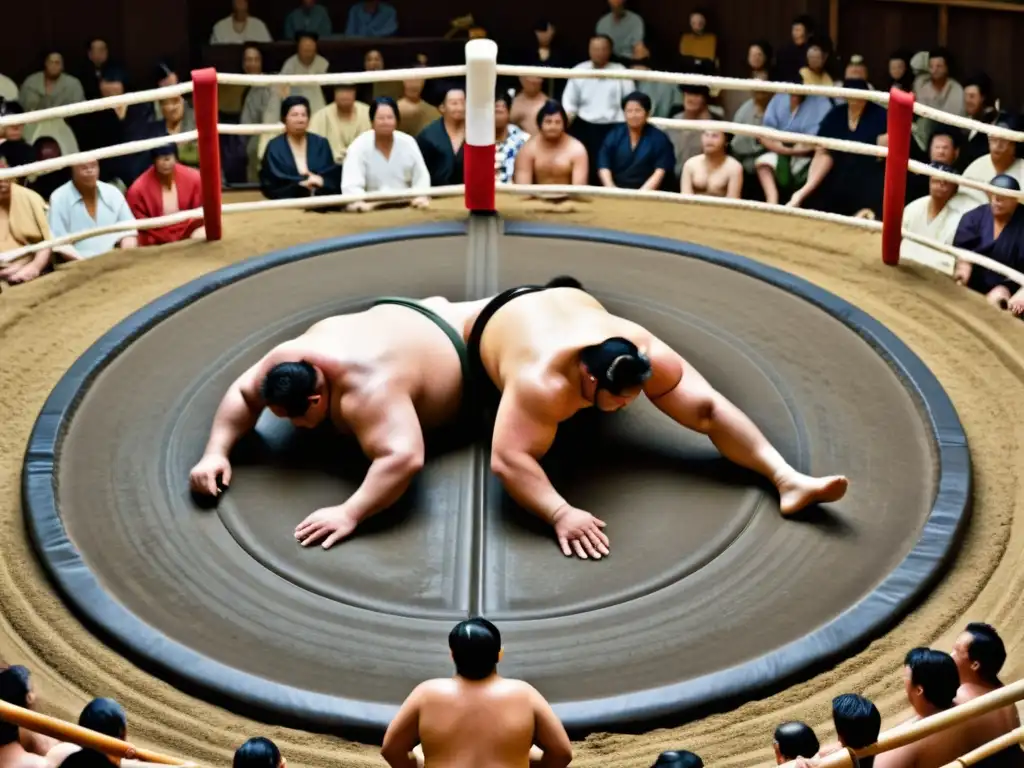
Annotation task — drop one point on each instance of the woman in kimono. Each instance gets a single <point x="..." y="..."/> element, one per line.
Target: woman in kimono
<point x="51" y="87"/>
<point x="298" y="163"/>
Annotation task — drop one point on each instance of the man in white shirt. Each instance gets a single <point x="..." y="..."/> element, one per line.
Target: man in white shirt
<point x="935" y="216"/>
<point x="594" y="105"/>
<point x="624" y="28"/>
<point x="384" y="159"/>
<point x="1001" y="159"/>
<point x="84" y="203"/>
<point x="240" y="28"/>
<point x="939" y="90"/>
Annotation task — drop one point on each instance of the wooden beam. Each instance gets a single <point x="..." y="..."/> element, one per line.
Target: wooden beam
<point x="981" y="5"/>
<point x="943" y="36"/>
<point x="833" y="22"/>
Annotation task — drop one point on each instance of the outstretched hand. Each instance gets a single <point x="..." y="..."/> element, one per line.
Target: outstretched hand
<point x="580" y="532"/>
<point x="332" y="524"/>
<point x="205" y="475"/>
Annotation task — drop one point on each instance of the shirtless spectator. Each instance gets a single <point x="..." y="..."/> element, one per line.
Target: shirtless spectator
<point x="385" y="374"/>
<point x="527" y="104"/>
<point x="552" y="156"/>
<point x="552" y="351"/>
<point x="1001" y="159"/>
<point x="688" y="144"/>
<point x="416" y="113"/>
<point x="931" y="681"/>
<point x="18" y="748"/>
<point x="636" y="155"/>
<point x="793" y="740"/>
<point x="476" y="718"/>
<point x="104" y="716"/>
<point x="713" y="173"/>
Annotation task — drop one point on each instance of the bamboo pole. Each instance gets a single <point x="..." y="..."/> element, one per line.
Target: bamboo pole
<point x="988" y="749"/>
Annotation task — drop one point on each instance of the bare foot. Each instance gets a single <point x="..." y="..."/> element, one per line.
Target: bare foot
<point x="802" y="490"/>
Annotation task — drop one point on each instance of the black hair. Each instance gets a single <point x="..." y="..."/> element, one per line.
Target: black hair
<point x="943" y="167"/>
<point x="10" y="108"/>
<point x="820" y="41"/>
<point x="111" y="73"/>
<point x="982" y="82"/>
<point x="542" y="25"/>
<point x="795" y="740"/>
<point x="606" y="38"/>
<point x="856" y="84"/>
<point x="290" y="385"/>
<point x="384" y="101"/>
<point x="678" y="758"/>
<point x="955" y="134"/>
<point x="258" y="752"/>
<point x="617" y="364"/>
<point x="163" y="69"/>
<point x="104" y="716"/>
<point x="857" y="721"/>
<point x="475" y="645"/>
<point x="943" y="53"/>
<point x="448" y="88"/>
<point x="766" y="48"/>
<point x="504" y="98"/>
<point x="696" y="90"/>
<point x="807" y="21"/>
<point x="1006" y="120"/>
<point x="987" y="649"/>
<point x="95" y="38"/>
<point x="552" y="107"/>
<point x="86" y="758"/>
<point x="936" y="673"/>
<point x="163" y="151"/>
<point x="14" y="689"/>
<point x="294" y="101"/>
<point x="306" y="33"/>
<point x="564" y="281"/>
<point x="346" y="87"/>
<point x="1006" y="181"/>
<point x="640" y="98"/>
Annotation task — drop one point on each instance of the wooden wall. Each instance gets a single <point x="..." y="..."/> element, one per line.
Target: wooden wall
<point x="142" y="31"/>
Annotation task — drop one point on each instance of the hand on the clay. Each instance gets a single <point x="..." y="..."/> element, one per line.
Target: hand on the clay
<point x="580" y="532"/>
<point x="334" y="523"/>
<point x="359" y="206"/>
<point x="421" y="202"/>
<point x="205" y="474"/>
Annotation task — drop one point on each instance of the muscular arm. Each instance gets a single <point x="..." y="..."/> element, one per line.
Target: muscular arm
<point x="687" y="184"/>
<point x="238" y="410"/>
<point x="580" y="166"/>
<point x="549" y="734"/>
<point x="403" y="734"/>
<point x="735" y="188"/>
<point x="524" y="165"/>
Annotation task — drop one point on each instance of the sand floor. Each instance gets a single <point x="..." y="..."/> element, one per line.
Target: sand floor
<point x="976" y="352"/>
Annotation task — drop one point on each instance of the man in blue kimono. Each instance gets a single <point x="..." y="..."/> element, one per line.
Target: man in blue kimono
<point x="635" y="154"/>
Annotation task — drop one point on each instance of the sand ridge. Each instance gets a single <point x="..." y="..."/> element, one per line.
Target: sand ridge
<point x="977" y="353"/>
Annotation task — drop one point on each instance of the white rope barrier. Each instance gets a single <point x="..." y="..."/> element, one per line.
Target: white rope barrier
<point x="969" y="256"/>
<point x="250" y="129"/>
<point x="97" y="105"/>
<point x="118" y="150"/>
<point x="923" y="169"/>
<point x="923" y="110"/>
<point x="344" y="78"/>
<point x="722" y="83"/>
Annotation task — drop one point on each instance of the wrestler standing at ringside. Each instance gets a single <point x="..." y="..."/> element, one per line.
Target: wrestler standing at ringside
<point x="383" y="375"/>
<point x="552" y="351"/>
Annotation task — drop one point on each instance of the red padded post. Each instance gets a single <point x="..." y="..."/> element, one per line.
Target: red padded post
<point x="901" y="117"/>
<point x="207" y="111"/>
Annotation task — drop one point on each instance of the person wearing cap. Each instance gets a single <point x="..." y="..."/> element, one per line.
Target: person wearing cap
<point x="540" y="354"/>
<point x="1001" y="159"/>
<point x="476" y="717"/>
<point x="167" y="187"/>
<point x="937" y="215"/>
<point x="995" y="230"/>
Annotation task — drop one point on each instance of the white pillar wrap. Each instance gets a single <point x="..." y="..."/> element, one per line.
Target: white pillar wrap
<point x="481" y="84"/>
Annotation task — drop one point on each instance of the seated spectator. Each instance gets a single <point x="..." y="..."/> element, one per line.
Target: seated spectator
<point x="305" y="61"/>
<point x="416" y="113"/>
<point x="665" y="97"/>
<point x="901" y="76"/>
<point x="22" y="222"/>
<point x="477" y="717"/>
<point x="1001" y="160"/>
<point x="687" y="144"/>
<point x="854" y="181"/>
<point x="699" y="44"/>
<point x="341" y="121"/>
<point x="552" y="156"/>
<point x="995" y="230"/>
<point x="793" y="740"/>
<point x="163" y="77"/>
<point x="545" y="53"/>
<point x="373" y="61"/>
<point x="714" y="172"/>
<point x="595" y="106"/>
<point x="55" y="129"/>
<point x="178" y="118"/>
<point x="622" y="27"/>
<point x="791" y="58"/>
<point x="813" y="72"/>
<point x="509" y="139"/>
<point x="8" y="88"/>
<point x="636" y="155"/>
<point x="259" y="752"/>
<point x="308" y="18"/>
<point x="678" y="758"/>
<point x="51" y="87"/>
<point x="88" y="758"/>
<point x="978" y="105"/>
<point x="857" y="722"/>
<point x="528" y="103"/>
<point x="442" y="141"/>
<point x="384" y="159"/>
<point x="298" y="163"/>
<point x="103" y="716"/>
<point x="759" y="59"/>
<point x="786" y="165"/>
<point x="44" y="184"/>
<point x="857" y="69"/>
<point x="167" y="187"/>
<point x="943" y="148"/>
<point x="85" y="203"/>
<point x="240" y="28"/>
<point x="97" y="58"/>
<point x="939" y="90"/>
<point x="938" y="214"/>
<point x="12" y="138"/>
<point x="371" y="18"/>
<point x="254" y="107"/>
<point x="14" y="690"/>
<point x="747" y="149"/>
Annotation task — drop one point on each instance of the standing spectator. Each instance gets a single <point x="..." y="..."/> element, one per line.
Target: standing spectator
<point x="552" y="156"/>
<point x="636" y="155"/>
<point x="978" y="105"/>
<point x="341" y="121"/>
<point x="687" y="144"/>
<point x="416" y="113"/>
<point x="793" y="56"/>
<point x="14" y="690"/>
<point x="713" y="173"/>
<point x="239" y="28"/>
<point x="622" y="27"/>
<point x="509" y="139"/>
<point x="793" y="740"/>
<point x="51" y="87"/>
<point x="747" y="149"/>
<point x="442" y="141"/>
<point x="814" y="71"/>
<point x="594" y="106"/>
<point x="1001" y="160"/>
<point x="527" y="103"/>
<point x="759" y="59"/>
<point x="372" y="18"/>
<point x="900" y="74"/>
<point x="85" y="203"/>
<point x="699" y="44"/>
<point x="308" y="17"/>
<point x="995" y="230"/>
<point x="167" y="187"/>
<point x="22" y="222"/>
<point x="938" y="214"/>
<point x="384" y="159"/>
<point x="939" y="90"/>
<point x="665" y="97"/>
<point x="298" y="163"/>
<point x="97" y="59"/>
